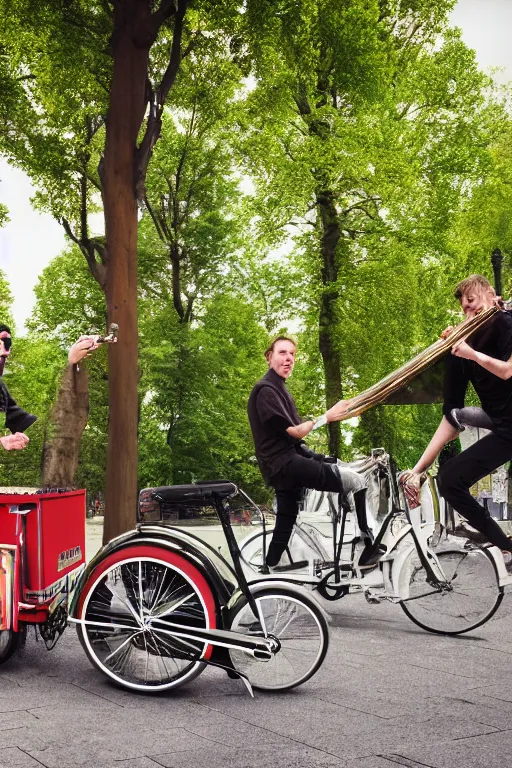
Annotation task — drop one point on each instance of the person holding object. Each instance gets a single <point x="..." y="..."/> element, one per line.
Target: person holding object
<point x="83" y="348"/>
<point x="18" y="420"/>
<point x="486" y="362"/>
<point x="287" y="464"/>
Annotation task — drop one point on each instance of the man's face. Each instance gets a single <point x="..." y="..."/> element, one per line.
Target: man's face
<point x="282" y="358"/>
<point x="476" y="300"/>
<point x="4" y="353"/>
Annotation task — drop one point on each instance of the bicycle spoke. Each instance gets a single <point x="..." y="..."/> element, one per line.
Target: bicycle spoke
<point x="140" y="655"/>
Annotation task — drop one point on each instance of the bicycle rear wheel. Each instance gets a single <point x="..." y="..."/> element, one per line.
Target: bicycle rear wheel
<point x="471" y="597"/>
<point x="126" y="604"/>
<point x="298" y="625"/>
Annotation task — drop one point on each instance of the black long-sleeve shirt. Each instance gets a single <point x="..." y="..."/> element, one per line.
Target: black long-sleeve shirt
<point x="494" y="340"/>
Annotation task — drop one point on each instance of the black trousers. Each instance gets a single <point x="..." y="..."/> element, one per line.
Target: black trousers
<point x="289" y="483"/>
<point x="461" y="472"/>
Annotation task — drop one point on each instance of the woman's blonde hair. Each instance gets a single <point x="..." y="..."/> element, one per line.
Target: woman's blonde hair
<point x="477" y="283"/>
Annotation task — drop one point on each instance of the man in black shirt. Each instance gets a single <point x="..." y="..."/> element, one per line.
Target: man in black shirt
<point x="285" y="461"/>
<point x="486" y="362"/>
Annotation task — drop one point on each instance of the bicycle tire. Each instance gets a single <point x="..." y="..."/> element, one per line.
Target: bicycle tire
<point x="251" y="549"/>
<point x="128" y="589"/>
<point x="473" y="597"/>
<point x="298" y="624"/>
<point x="10" y="641"/>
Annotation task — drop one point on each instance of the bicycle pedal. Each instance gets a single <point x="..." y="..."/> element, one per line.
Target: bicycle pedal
<point x="372" y="599"/>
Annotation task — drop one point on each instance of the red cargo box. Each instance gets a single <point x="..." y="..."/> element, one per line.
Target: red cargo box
<point x="55" y="538"/>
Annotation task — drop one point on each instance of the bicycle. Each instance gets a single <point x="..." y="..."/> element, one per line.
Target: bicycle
<point x="446" y="586"/>
<point x="156" y="606"/>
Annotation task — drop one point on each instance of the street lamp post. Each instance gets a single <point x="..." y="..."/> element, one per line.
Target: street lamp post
<point x="497" y="261"/>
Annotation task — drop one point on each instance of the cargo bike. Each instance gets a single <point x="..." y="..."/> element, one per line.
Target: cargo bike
<point x="156" y="605"/>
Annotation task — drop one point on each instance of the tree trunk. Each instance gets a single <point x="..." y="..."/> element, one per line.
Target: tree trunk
<point x="330" y="237"/>
<point x="124" y="120"/>
<point x="67" y="423"/>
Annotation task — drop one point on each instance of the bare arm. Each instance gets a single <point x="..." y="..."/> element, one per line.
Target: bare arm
<point x="301" y="430"/>
<point x="338" y="412"/>
<point x="443" y="435"/>
<point x="500" y="368"/>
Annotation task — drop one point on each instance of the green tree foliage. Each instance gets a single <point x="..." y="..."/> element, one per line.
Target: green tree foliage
<point x="483" y="224"/>
<point x="195" y="385"/>
<point x="5" y="302"/>
<point x="370" y="124"/>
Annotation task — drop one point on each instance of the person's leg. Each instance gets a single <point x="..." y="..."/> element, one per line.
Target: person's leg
<point x="299" y="473"/>
<point x="470" y="416"/>
<point x="287" y="509"/>
<point x="458" y="475"/>
<point x="302" y="473"/>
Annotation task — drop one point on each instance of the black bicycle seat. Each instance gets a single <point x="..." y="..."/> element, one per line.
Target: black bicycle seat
<point x="198" y="493"/>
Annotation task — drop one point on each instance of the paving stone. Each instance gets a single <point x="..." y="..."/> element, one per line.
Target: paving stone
<point x="388" y="694"/>
<point x="24" y="738"/>
<point x="235" y="733"/>
<point x="15" y="719"/>
<point x="117" y="743"/>
<point x="16" y="758"/>
<point x="482" y="752"/>
<point x="251" y="758"/>
<point x="373" y="762"/>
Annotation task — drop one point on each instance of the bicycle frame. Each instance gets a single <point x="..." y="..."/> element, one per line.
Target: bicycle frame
<point x="334" y="576"/>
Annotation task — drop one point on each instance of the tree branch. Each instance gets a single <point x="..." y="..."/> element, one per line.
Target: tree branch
<point x="176" y="54"/>
<point x="89" y="248"/>
<point x="166" y="9"/>
<point x="155" y="219"/>
<point x="158" y="97"/>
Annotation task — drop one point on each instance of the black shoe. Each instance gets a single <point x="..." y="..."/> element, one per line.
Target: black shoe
<point x="471" y="535"/>
<point x="370" y="556"/>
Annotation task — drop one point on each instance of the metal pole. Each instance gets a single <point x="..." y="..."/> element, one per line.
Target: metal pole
<point x="497" y="261"/>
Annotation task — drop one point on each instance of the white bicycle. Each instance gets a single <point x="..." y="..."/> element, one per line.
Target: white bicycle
<point x="444" y="584"/>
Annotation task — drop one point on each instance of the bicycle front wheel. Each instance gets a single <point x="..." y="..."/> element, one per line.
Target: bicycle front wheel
<point x="471" y="596"/>
<point x="297" y="624"/>
<point x="129" y="606"/>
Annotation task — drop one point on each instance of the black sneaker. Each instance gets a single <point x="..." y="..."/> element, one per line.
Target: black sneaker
<point x="370" y="556"/>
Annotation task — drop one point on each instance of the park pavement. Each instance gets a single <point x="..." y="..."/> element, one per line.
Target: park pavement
<point x="388" y="695"/>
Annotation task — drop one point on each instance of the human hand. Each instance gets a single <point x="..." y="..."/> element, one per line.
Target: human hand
<point x="462" y="349"/>
<point x="447" y="332"/>
<point x="82" y="348"/>
<point x="16" y="442"/>
<point x="338" y="411"/>
<point x="411" y="483"/>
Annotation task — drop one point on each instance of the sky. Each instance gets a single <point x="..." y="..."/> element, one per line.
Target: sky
<point x="31" y="239"/>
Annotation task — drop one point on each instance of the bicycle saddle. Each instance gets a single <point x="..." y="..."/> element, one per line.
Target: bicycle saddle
<point x="198" y="493"/>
